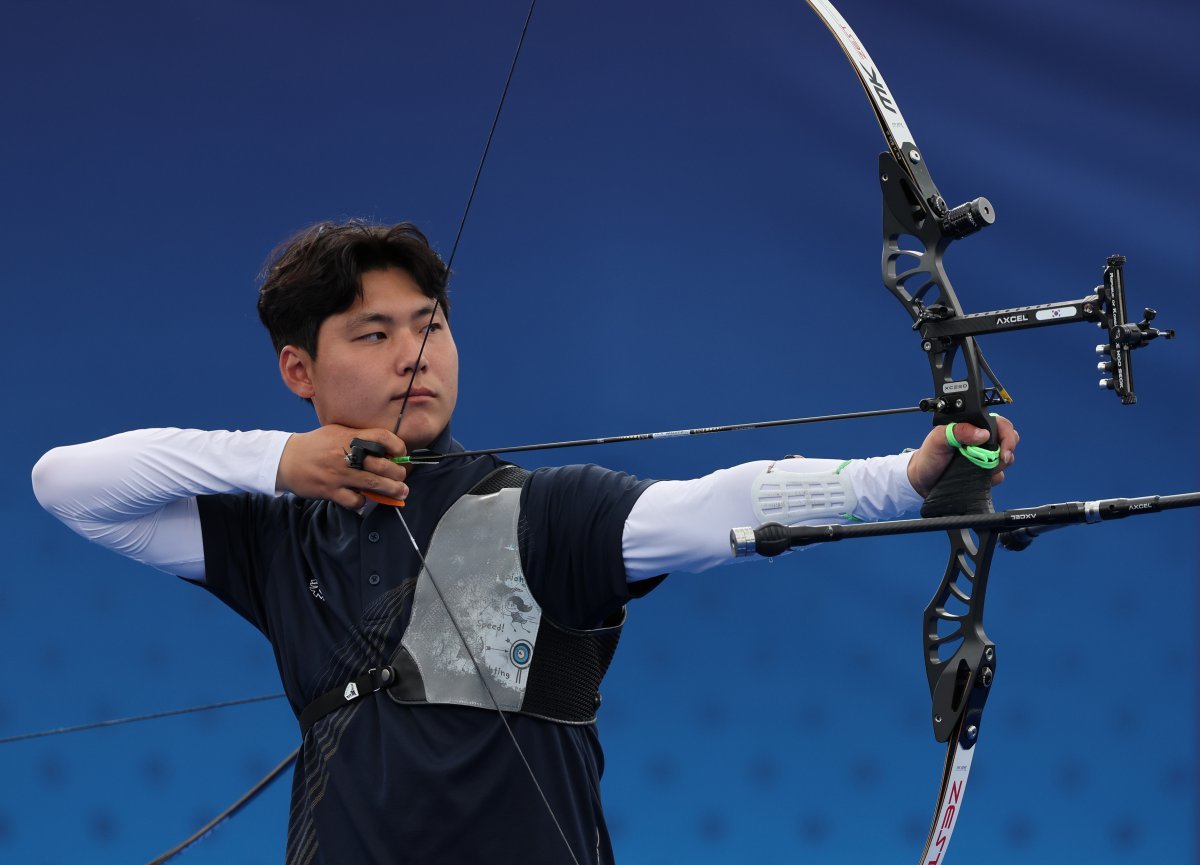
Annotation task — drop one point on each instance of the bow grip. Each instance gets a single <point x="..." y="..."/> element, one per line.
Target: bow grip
<point x="963" y="488"/>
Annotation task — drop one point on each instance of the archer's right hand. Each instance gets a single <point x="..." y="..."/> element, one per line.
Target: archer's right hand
<point x="314" y="466"/>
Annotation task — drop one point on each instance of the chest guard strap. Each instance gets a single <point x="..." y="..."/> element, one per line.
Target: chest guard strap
<point x="356" y="689"/>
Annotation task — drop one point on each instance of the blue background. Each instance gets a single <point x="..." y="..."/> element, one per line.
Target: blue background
<point x="678" y="226"/>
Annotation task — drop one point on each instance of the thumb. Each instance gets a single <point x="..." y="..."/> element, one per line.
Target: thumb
<point x="969" y="434"/>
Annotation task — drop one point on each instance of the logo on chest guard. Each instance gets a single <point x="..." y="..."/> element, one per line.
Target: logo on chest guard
<point x="315" y="588"/>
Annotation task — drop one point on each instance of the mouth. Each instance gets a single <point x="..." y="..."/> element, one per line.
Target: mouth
<point x="417" y="394"/>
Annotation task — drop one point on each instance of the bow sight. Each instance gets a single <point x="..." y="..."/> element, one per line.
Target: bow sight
<point x="941" y="330"/>
<point x="917" y="229"/>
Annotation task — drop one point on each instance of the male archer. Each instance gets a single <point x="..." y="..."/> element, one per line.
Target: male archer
<point x="398" y="634"/>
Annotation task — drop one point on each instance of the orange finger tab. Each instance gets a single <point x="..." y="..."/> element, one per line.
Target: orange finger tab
<point x="384" y="500"/>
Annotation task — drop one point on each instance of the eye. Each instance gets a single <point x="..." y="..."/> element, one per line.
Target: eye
<point x="432" y="327"/>
<point x="374" y="336"/>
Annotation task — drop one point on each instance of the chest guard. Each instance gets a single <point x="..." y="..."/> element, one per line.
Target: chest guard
<point x="528" y="663"/>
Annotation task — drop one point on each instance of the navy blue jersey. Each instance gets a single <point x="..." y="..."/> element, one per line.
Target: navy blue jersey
<point x="331" y="589"/>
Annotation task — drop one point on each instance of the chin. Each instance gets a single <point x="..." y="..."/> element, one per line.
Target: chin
<point x="415" y="439"/>
<point x="417" y="442"/>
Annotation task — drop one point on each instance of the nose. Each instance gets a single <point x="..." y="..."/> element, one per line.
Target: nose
<point x="411" y="355"/>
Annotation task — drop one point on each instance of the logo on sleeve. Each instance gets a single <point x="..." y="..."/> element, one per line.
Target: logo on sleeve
<point x="315" y="588"/>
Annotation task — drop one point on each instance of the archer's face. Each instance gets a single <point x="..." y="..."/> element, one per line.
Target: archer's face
<point x="365" y="358"/>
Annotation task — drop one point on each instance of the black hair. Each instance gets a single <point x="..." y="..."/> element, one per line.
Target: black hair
<point x="318" y="273"/>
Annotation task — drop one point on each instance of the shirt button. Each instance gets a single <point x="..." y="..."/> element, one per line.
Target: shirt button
<point x="373" y="579"/>
<point x="373" y="537"/>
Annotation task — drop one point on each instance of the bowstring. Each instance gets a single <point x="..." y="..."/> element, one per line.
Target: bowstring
<point x="486" y="686"/>
<point x="462" y="223"/>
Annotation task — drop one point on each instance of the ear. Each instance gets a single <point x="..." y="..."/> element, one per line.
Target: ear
<point x="295" y="368"/>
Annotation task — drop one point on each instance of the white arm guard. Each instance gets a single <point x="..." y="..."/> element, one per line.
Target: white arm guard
<point x="684" y="525"/>
<point x="792" y="497"/>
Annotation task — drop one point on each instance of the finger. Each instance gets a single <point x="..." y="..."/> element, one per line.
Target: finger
<point x="394" y="444"/>
<point x="997" y="478"/>
<point x="390" y="445"/>
<point x="349" y="499"/>
<point x="1008" y="443"/>
<point x="367" y="482"/>
<point x="363" y="481"/>
<point x="385" y="468"/>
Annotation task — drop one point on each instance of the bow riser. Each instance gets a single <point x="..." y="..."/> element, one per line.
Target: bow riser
<point x="953" y="622"/>
<point x="923" y="286"/>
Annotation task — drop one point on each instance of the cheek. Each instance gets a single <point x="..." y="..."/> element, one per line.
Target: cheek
<point x="452" y="383"/>
<point x="341" y="380"/>
<point x="448" y="365"/>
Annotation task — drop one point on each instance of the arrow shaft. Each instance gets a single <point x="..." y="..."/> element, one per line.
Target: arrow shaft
<point x="637" y="437"/>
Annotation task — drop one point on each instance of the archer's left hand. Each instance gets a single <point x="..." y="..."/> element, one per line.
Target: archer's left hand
<point x="928" y="463"/>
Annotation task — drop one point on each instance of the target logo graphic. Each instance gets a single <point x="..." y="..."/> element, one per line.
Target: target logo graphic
<point x="521" y="654"/>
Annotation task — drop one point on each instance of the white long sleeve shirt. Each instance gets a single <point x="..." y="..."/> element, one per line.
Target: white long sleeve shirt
<point x="134" y="493"/>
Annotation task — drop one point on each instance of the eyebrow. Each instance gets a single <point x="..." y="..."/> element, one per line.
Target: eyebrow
<point x="369" y="318"/>
<point x="364" y="318"/>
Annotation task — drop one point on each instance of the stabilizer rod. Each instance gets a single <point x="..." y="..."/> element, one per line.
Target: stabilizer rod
<point x="772" y="539"/>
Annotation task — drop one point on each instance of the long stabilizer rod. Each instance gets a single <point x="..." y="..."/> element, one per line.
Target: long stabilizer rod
<point x="772" y="539"/>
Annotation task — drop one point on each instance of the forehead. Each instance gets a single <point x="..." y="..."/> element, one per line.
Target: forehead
<point x="387" y="296"/>
<point x="390" y="287"/>
<point x="390" y="298"/>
